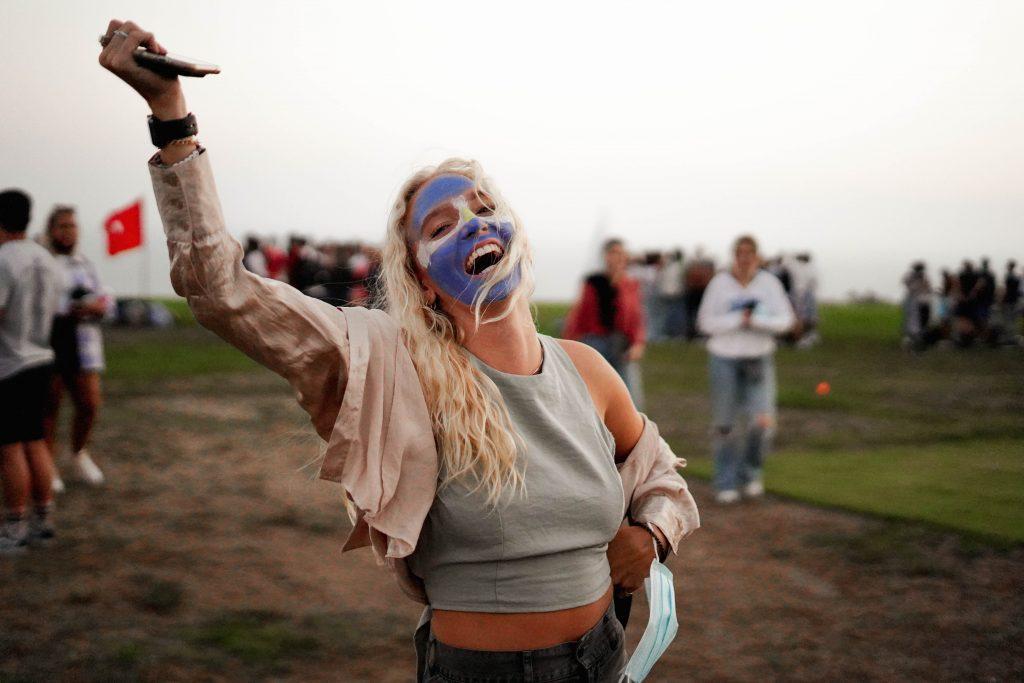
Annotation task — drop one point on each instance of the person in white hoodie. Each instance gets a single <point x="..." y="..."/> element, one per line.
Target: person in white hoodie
<point x="743" y="310"/>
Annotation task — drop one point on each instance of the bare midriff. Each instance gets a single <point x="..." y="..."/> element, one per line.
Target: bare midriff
<point x="520" y="631"/>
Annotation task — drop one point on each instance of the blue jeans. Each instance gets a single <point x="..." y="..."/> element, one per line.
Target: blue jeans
<point x="600" y="655"/>
<point x="741" y="388"/>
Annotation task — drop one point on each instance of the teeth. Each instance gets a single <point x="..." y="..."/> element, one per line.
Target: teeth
<point x="480" y="251"/>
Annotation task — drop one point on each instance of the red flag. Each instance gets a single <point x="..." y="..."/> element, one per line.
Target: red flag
<point x="124" y="229"/>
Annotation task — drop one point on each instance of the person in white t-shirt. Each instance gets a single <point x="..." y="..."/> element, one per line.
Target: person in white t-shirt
<point x="77" y="342"/>
<point x="29" y="292"/>
<point x="743" y="310"/>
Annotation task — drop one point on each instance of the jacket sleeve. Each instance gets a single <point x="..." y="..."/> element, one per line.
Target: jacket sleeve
<point x="638" y="329"/>
<point x="776" y="314"/>
<point x="300" y="338"/>
<point x="655" y="491"/>
<point x="713" y="317"/>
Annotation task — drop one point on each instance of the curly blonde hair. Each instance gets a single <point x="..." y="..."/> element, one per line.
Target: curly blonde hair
<point x="472" y="428"/>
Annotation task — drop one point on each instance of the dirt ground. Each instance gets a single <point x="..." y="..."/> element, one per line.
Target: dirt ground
<point x="214" y="555"/>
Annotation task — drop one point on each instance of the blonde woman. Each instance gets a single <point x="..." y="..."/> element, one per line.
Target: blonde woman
<point x="77" y="342"/>
<point x="503" y="476"/>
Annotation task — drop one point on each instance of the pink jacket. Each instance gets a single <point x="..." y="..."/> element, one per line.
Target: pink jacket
<point x="353" y="374"/>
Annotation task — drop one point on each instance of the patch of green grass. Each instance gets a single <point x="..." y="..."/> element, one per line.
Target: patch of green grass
<point x="179" y="309"/>
<point x="254" y="637"/>
<point x="158" y="595"/>
<point x="128" y="653"/>
<point x="145" y="355"/>
<point x="550" y="317"/>
<point x="859" y="323"/>
<point x="973" y="487"/>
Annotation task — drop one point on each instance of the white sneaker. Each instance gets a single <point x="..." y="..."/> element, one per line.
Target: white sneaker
<point x="727" y="497"/>
<point x="57" y="485"/>
<point x="87" y="469"/>
<point x="754" y="489"/>
<point x="13" y="538"/>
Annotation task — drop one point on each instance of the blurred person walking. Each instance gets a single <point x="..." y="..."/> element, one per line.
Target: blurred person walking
<point x="804" y="298"/>
<point x="1011" y="303"/>
<point x="985" y="298"/>
<point x="917" y="305"/>
<point x="948" y="296"/>
<point x="29" y="293"/>
<point x="669" y="285"/>
<point x="744" y="309"/>
<point x="967" y="325"/>
<point x="443" y="409"/>
<point x="303" y="263"/>
<point x="609" y="317"/>
<point x="697" y="274"/>
<point x="645" y="269"/>
<point x="277" y="261"/>
<point x="77" y="342"/>
<point x="254" y="260"/>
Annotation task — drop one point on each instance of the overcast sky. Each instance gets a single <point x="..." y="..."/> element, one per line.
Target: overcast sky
<point x="870" y="133"/>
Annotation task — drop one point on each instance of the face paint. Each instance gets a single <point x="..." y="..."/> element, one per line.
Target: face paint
<point x="447" y="258"/>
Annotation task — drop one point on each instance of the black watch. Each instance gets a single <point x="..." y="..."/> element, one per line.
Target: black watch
<point x="648" y="527"/>
<point x="164" y="132"/>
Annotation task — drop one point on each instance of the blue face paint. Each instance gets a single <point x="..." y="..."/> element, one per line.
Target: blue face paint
<point x="439" y="190"/>
<point x="447" y="257"/>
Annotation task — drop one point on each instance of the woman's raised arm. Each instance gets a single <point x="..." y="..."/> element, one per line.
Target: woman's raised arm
<point x="299" y="338"/>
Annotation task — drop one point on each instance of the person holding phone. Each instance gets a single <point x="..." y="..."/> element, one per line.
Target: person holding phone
<point x="503" y="476"/>
<point x="743" y="310"/>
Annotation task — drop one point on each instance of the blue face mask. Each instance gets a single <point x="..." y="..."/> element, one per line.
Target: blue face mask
<point x="454" y="257"/>
<point x="662" y="623"/>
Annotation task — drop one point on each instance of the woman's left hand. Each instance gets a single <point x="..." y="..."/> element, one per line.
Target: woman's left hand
<point x="630" y="554"/>
<point x="89" y="309"/>
<point x="635" y="352"/>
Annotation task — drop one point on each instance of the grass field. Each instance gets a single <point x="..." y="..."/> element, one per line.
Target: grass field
<point x="936" y="438"/>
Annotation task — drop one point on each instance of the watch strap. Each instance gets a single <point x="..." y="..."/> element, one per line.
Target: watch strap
<point x="659" y="547"/>
<point x="162" y="133"/>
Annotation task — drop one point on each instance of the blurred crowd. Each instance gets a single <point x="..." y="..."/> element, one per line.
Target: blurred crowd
<point x="972" y="306"/>
<point x="658" y="295"/>
<point x="672" y="286"/>
<point x="340" y="273"/>
<point x="740" y="309"/>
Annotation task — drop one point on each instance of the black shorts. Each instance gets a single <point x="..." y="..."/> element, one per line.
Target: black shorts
<point x="23" y="401"/>
<point x="64" y="340"/>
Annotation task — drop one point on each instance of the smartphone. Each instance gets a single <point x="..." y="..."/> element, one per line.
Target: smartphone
<point x="174" y="65"/>
<point x="169" y="65"/>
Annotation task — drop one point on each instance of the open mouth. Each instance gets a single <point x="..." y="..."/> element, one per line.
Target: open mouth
<point x="485" y="256"/>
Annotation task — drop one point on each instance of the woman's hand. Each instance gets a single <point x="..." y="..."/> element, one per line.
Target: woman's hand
<point x="635" y="352"/>
<point x="630" y="554"/>
<point x="162" y="93"/>
<point x="90" y="309"/>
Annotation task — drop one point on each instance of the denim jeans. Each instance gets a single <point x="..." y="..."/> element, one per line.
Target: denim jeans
<point x="600" y="656"/>
<point x="741" y="388"/>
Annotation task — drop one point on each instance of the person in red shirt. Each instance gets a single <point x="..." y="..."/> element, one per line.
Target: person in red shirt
<point x="609" y="315"/>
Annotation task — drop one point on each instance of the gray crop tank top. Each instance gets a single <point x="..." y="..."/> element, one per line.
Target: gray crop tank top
<point x="546" y="550"/>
